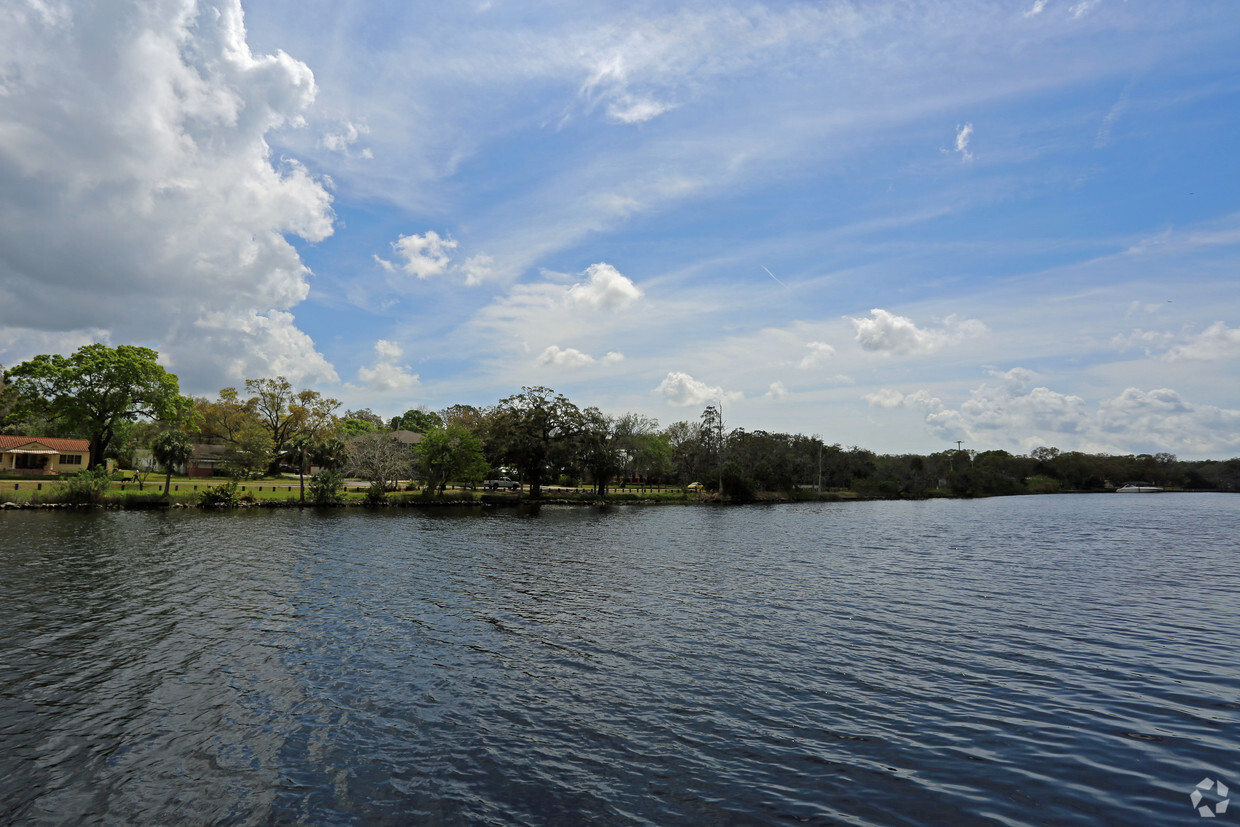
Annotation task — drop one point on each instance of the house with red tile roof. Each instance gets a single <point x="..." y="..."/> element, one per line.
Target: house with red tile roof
<point x="43" y="455"/>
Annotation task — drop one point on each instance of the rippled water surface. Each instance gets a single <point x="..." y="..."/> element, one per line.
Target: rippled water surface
<point x="1043" y="660"/>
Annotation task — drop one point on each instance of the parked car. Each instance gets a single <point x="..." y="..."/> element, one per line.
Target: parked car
<point x="502" y="482"/>
<point x="695" y="486"/>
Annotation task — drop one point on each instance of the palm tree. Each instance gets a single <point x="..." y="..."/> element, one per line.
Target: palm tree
<point x="299" y="450"/>
<point x="171" y="448"/>
<point x="331" y="453"/>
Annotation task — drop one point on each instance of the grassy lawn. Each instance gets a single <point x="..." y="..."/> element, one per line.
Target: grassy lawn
<point x="188" y="490"/>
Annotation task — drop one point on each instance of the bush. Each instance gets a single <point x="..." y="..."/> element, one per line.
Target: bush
<point x="376" y="494"/>
<point x="87" y="486"/>
<point x="327" y="488"/>
<point x="220" y="496"/>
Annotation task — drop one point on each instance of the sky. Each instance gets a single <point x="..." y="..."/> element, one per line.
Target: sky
<point x="890" y="224"/>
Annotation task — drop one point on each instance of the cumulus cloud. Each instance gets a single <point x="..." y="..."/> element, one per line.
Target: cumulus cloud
<point x="776" y="391"/>
<point x="138" y="195"/>
<point x="1218" y="341"/>
<point x="1005" y="414"/>
<point x="963" y="135"/>
<point x="277" y="347"/>
<point x="574" y="358"/>
<point x="605" y="288"/>
<point x="422" y="256"/>
<point x="681" y="389"/>
<point x="886" y="332"/>
<point x="819" y="354"/>
<point x="385" y="374"/>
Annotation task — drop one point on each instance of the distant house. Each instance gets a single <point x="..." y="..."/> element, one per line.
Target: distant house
<point x="207" y="460"/>
<point x="43" y="455"/>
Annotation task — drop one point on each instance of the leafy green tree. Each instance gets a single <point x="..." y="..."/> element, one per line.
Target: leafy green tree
<point x="598" y="447"/>
<point x="416" y="420"/>
<point x="171" y="448"/>
<point x="451" y="453"/>
<point x="226" y="418"/>
<point x="365" y="415"/>
<point x="468" y="416"/>
<point x="8" y="396"/>
<point x="532" y="431"/>
<point x="350" y="428"/>
<point x="285" y="413"/>
<point x="98" y="389"/>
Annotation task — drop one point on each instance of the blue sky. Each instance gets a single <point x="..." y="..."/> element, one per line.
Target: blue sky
<point x="892" y="224"/>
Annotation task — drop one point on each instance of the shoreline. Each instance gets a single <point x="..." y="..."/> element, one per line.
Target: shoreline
<point x="486" y="501"/>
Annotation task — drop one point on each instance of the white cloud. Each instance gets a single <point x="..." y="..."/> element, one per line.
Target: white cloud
<point x="1083" y="7"/>
<point x="630" y="109"/>
<point x="777" y="391"/>
<point x="342" y="141"/>
<point x="138" y="194"/>
<point x="604" y="289"/>
<point x="1036" y="8"/>
<point x="1002" y="414"/>
<point x="385" y="374"/>
<point x="1149" y="340"/>
<point x="886" y="332"/>
<point x="424" y="255"/>
<point x="963" y="135"/>
<point x="681" y="389"/>
<point x="1218" y="341"/>
<point x="885" y="398"/>
<point x="478" y="269"/>
<point x="255" y="345"/>
<point x="571" y="357"/>
<point x="819" y="354"/>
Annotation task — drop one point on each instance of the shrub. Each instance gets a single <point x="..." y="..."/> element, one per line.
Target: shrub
<point x="327" y="488"/>
<point x="376" y="494"/>
<point x="87" y="486"/>
<point x="223" y="495"/>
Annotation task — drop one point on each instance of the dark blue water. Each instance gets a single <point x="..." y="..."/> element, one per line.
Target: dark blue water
<point x="1037" y="660"/>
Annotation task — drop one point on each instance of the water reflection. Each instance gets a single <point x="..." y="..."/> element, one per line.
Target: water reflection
<point x="1035" y="660"/>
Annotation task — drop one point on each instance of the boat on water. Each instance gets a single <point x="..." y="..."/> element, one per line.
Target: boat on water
<point x="1137" y="488"/>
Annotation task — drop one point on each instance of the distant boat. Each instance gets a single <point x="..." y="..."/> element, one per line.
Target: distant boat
<point x="1137" y="488"/>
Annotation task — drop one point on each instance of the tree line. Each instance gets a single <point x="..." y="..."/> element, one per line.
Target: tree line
<point x="123" y="401"/>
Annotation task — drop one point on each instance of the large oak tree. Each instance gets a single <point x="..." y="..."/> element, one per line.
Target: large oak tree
<point x="98" y="389"/>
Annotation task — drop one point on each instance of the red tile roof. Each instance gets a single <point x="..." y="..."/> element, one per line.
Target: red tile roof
<point x="55" y="443"/>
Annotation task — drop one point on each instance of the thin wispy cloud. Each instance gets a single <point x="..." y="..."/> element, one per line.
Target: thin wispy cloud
<point x="964" y="134"/>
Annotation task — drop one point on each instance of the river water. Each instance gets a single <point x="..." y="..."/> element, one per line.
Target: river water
<point x="1034" y="660"/>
